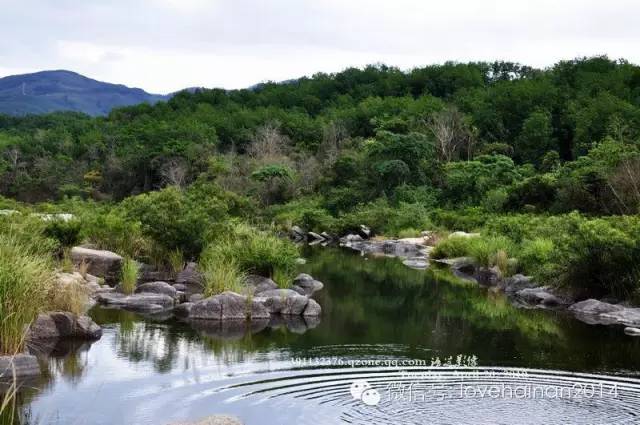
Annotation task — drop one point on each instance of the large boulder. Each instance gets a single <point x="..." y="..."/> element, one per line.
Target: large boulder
<point x="304" y="284"/>
<point x="157" y="288"/>
<point x="597" y="312"/>
<point x="632" y="331"/>
<point x="594" y="307"/>
<point x="297" y="233"/>
<point x="283" y="301"/>
<point x="60" y="324"/>
<point x="516" y="283"/>
<point x="105" y="264"/>
<point x="228" y="306"/>
<point x="18" y="366"/>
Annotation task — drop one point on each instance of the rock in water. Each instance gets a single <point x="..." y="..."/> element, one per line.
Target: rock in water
<point x="304" y="284"/>
<point x="63" y="325"/>
<point x="228" y="306"/>
<point x="105" y="264"/>
<point x="312" y="309"/>
<point x="157" y="288"/>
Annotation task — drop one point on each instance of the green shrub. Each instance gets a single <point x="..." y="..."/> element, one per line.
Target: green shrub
<point x="25" y="280"/>
<point x="489" y="251"/>
<point x="66" y="232"/>
<point x="536" y="257"/>
<point x="130" y="271"/>
<point x="113" y="231"/>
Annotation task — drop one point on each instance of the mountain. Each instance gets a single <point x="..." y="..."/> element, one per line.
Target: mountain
<point x="60" y="90"/>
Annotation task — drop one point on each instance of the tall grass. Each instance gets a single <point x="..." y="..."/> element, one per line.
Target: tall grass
<point x="130" y="271"/>
<point x="243" y="250"/>
<point x="8" y="402"/>
<point x="486" y="251"/>
<point x="220" y="275"/>
<point x="25" y="280"/>
<point x="72" y="297"/>
<point x="176" y="261"/>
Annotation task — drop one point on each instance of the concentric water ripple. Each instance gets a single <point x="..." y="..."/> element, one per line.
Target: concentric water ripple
<point x="443" y="396"/>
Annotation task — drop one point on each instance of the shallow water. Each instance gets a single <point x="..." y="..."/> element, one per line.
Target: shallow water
<point x="382" y="323"/>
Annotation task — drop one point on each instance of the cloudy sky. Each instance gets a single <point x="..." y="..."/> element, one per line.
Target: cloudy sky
<point x="165" y="45"/>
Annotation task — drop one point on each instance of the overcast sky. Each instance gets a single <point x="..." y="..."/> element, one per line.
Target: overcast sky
<point x="165" y="45"/>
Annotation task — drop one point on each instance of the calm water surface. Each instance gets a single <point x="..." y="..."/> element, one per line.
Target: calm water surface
<point x="158" y="370"/>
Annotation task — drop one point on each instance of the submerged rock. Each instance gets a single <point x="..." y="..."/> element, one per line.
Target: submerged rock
<point x="18" y="366"/>
<point x="419" y="263"/>
<point x="63" y="325"/>
<point x="105" y="264"/>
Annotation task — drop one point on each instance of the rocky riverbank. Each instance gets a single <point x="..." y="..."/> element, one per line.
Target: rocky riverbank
<point x="522" y="290"/>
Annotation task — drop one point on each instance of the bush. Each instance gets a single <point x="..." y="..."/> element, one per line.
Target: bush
<point x="452" y="247"/>
<point x="66" y="232"/>
<point x="113" y="231"/>
<point x="220" y="273"/>
<point x="536" y="257"/>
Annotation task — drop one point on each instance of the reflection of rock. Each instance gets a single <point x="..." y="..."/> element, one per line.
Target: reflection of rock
<point x="312" y="321"/>
<point x="63" y="325"/>
<point x="418" y="263"/>
<point x="213" y="420"/>
<point x="105" y="264"/>
<point x="228" y="329"/>
<point x="137" y="302"/>
<point x="58" y="348"/>
<point x="598" y="312"/>
<point x="157" y="288"/>
<point x="183" y="310"/>
<point x="20" y="365"/>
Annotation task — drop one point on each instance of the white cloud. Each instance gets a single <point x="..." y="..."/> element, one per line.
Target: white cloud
<point x="164" y="45"/>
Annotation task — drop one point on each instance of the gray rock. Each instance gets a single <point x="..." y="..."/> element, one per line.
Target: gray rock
<point x="315" y="236"/>
<point x="257" y="284"/>
<point x="283" y="301"/>
<point x="304" y="284"/>
<point x="20" y="365"/>
<point x="632" y="331"/>
<point x="297" y="233"/>
<point x="105" y="264"/>
<point x="326" y="236"/>
<point x="594" y="307"/>
<point x="144" y="302"/>
<point x="63" y="325"/>
<point x="190" y="275"/>
<point x="194" y="298"/>
<point x="213" y="420"/>
<point x="228" y="306"/>
<point x="149" y="273"/>
<point x="539" y="296"/>
<point x="364" y="231"/>
<point x="312" y="309"/>
<point x="183" y="310"/>
<point x="351" y="238"/>
<point x="180" y="287"/>
<point x="156" y="288"/>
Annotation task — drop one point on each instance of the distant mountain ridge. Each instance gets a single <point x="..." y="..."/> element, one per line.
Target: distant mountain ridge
<point x="60" y="90"/>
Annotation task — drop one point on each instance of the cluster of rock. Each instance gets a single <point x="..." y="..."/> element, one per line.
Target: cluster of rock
<point x="601" y="313"/>
<point x="181" y="295"/>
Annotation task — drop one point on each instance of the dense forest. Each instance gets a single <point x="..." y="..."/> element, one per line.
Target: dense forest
<point x="546" y="163"/>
